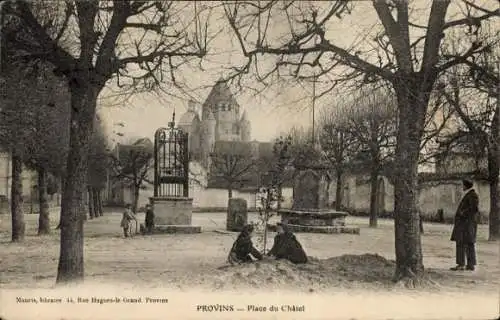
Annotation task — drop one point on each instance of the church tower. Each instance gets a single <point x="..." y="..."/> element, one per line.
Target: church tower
<point x="226" y="111"/>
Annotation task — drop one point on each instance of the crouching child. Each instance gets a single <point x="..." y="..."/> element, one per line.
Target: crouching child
<point x="286" y="246"/>
<point x="243" y="250"/>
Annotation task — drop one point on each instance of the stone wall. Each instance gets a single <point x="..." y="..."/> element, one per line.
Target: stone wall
<point x="432" y="196"/>
<point x="207" y="197"/>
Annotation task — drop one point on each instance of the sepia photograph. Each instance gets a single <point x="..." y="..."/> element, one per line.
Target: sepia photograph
<point x="249" y="159"/>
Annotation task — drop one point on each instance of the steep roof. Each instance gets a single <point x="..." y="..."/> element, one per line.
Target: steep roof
<point x="220" y="93"/>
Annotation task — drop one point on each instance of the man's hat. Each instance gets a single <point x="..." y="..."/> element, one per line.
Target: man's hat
<point x="248" y="228"/>
<point x="467" y="182"/>
<point x="283" y="225"/>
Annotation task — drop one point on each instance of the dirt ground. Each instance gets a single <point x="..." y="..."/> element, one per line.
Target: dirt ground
<point x="179" y="261"/>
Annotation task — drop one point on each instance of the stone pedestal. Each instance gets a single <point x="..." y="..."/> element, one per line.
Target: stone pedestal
<point x="310" y="212"/>
<point x="173" y="215"/>
<point x="237" y="214"/>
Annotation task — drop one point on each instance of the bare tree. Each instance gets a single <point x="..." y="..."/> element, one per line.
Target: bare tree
<point x="406" y="53"/>
<point x="47" y="148"/>
<point x="473" y="93"/>
<point x="108" y="40"/>
<point x="337" y="143"/>
<point x="132" y="165"/>
<point x="231" y="163"/>
<point x="31" y="134"/>
<point x="372" y="123"/>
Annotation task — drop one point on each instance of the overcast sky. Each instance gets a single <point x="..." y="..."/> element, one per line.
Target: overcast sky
<point x="271" y="113"/>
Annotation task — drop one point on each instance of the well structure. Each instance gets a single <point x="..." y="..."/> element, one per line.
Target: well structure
<point x="171" y="202"/>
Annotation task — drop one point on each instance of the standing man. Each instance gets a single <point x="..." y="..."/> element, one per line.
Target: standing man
<point x="465" y="228"/>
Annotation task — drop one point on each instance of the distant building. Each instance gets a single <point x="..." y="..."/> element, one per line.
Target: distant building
<point x="218" y="124"/>
<point x="221" y="118"/>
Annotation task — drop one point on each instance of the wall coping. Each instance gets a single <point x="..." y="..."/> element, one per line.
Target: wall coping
<point x="170" y="199"/>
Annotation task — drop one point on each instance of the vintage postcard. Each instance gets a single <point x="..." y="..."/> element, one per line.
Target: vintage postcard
<point x="249" y="159"/>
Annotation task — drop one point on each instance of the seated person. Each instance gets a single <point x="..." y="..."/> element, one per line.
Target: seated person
<point x="286" y="246"/>
<point x="243" y="249"/>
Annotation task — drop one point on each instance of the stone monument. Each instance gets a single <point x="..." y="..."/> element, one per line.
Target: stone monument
<point x="171" y="203"/>
<point x="310" y="211"/>
<point x="237" y="214"/>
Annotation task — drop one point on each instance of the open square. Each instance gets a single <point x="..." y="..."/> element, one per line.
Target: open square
<point x="187" y="261"/>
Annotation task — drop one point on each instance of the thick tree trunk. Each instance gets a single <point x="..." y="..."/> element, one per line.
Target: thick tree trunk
<point x="16" y="198"/>
<point x="493" y="173"/>
<point x="44" y="216"/>
<point x="494" y="217"/>
<point x="136" y="198"/>
<point x="374" y="198"/>
<point x="338" y="191"/>
<point x="90" y="197"/>
<point x="412" y="93"/>
<point x="60" y="203"/>
<point x="95" y="195"/>
<point x="229" y="192"/>
<point x="83" y="103"/>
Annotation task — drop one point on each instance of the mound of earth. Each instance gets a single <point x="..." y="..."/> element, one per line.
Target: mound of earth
<point x="367" y="271"/>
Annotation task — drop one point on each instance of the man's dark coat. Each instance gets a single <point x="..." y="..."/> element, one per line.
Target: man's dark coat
<point x="466" y="219"/>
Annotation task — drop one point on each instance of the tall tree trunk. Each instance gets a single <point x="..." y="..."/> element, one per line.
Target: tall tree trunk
<point x="99" y="198"/>
<point x="95" y="195"/>
<point x="338" y="191"/>
<point x="83" y="103"/>
<point x="16" y="198"/>
<point x="44" y="216"/>
<point x="230" y="192"/>
<point x="90" y="201"/>
<point x="413" y="96"/>
<point x="493" y="173"/>
<point x="62" y="181"/>
<point x="136" y="198"/>
<point x="494" y="216"/>
<point x="374" y="198"/>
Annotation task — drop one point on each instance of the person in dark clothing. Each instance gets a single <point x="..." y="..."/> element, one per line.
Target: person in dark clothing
<point x="243" y="249"/>
<point x="465" y="228"/>
<point x="286" y="246"/>
<point x="150" y="219"/>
